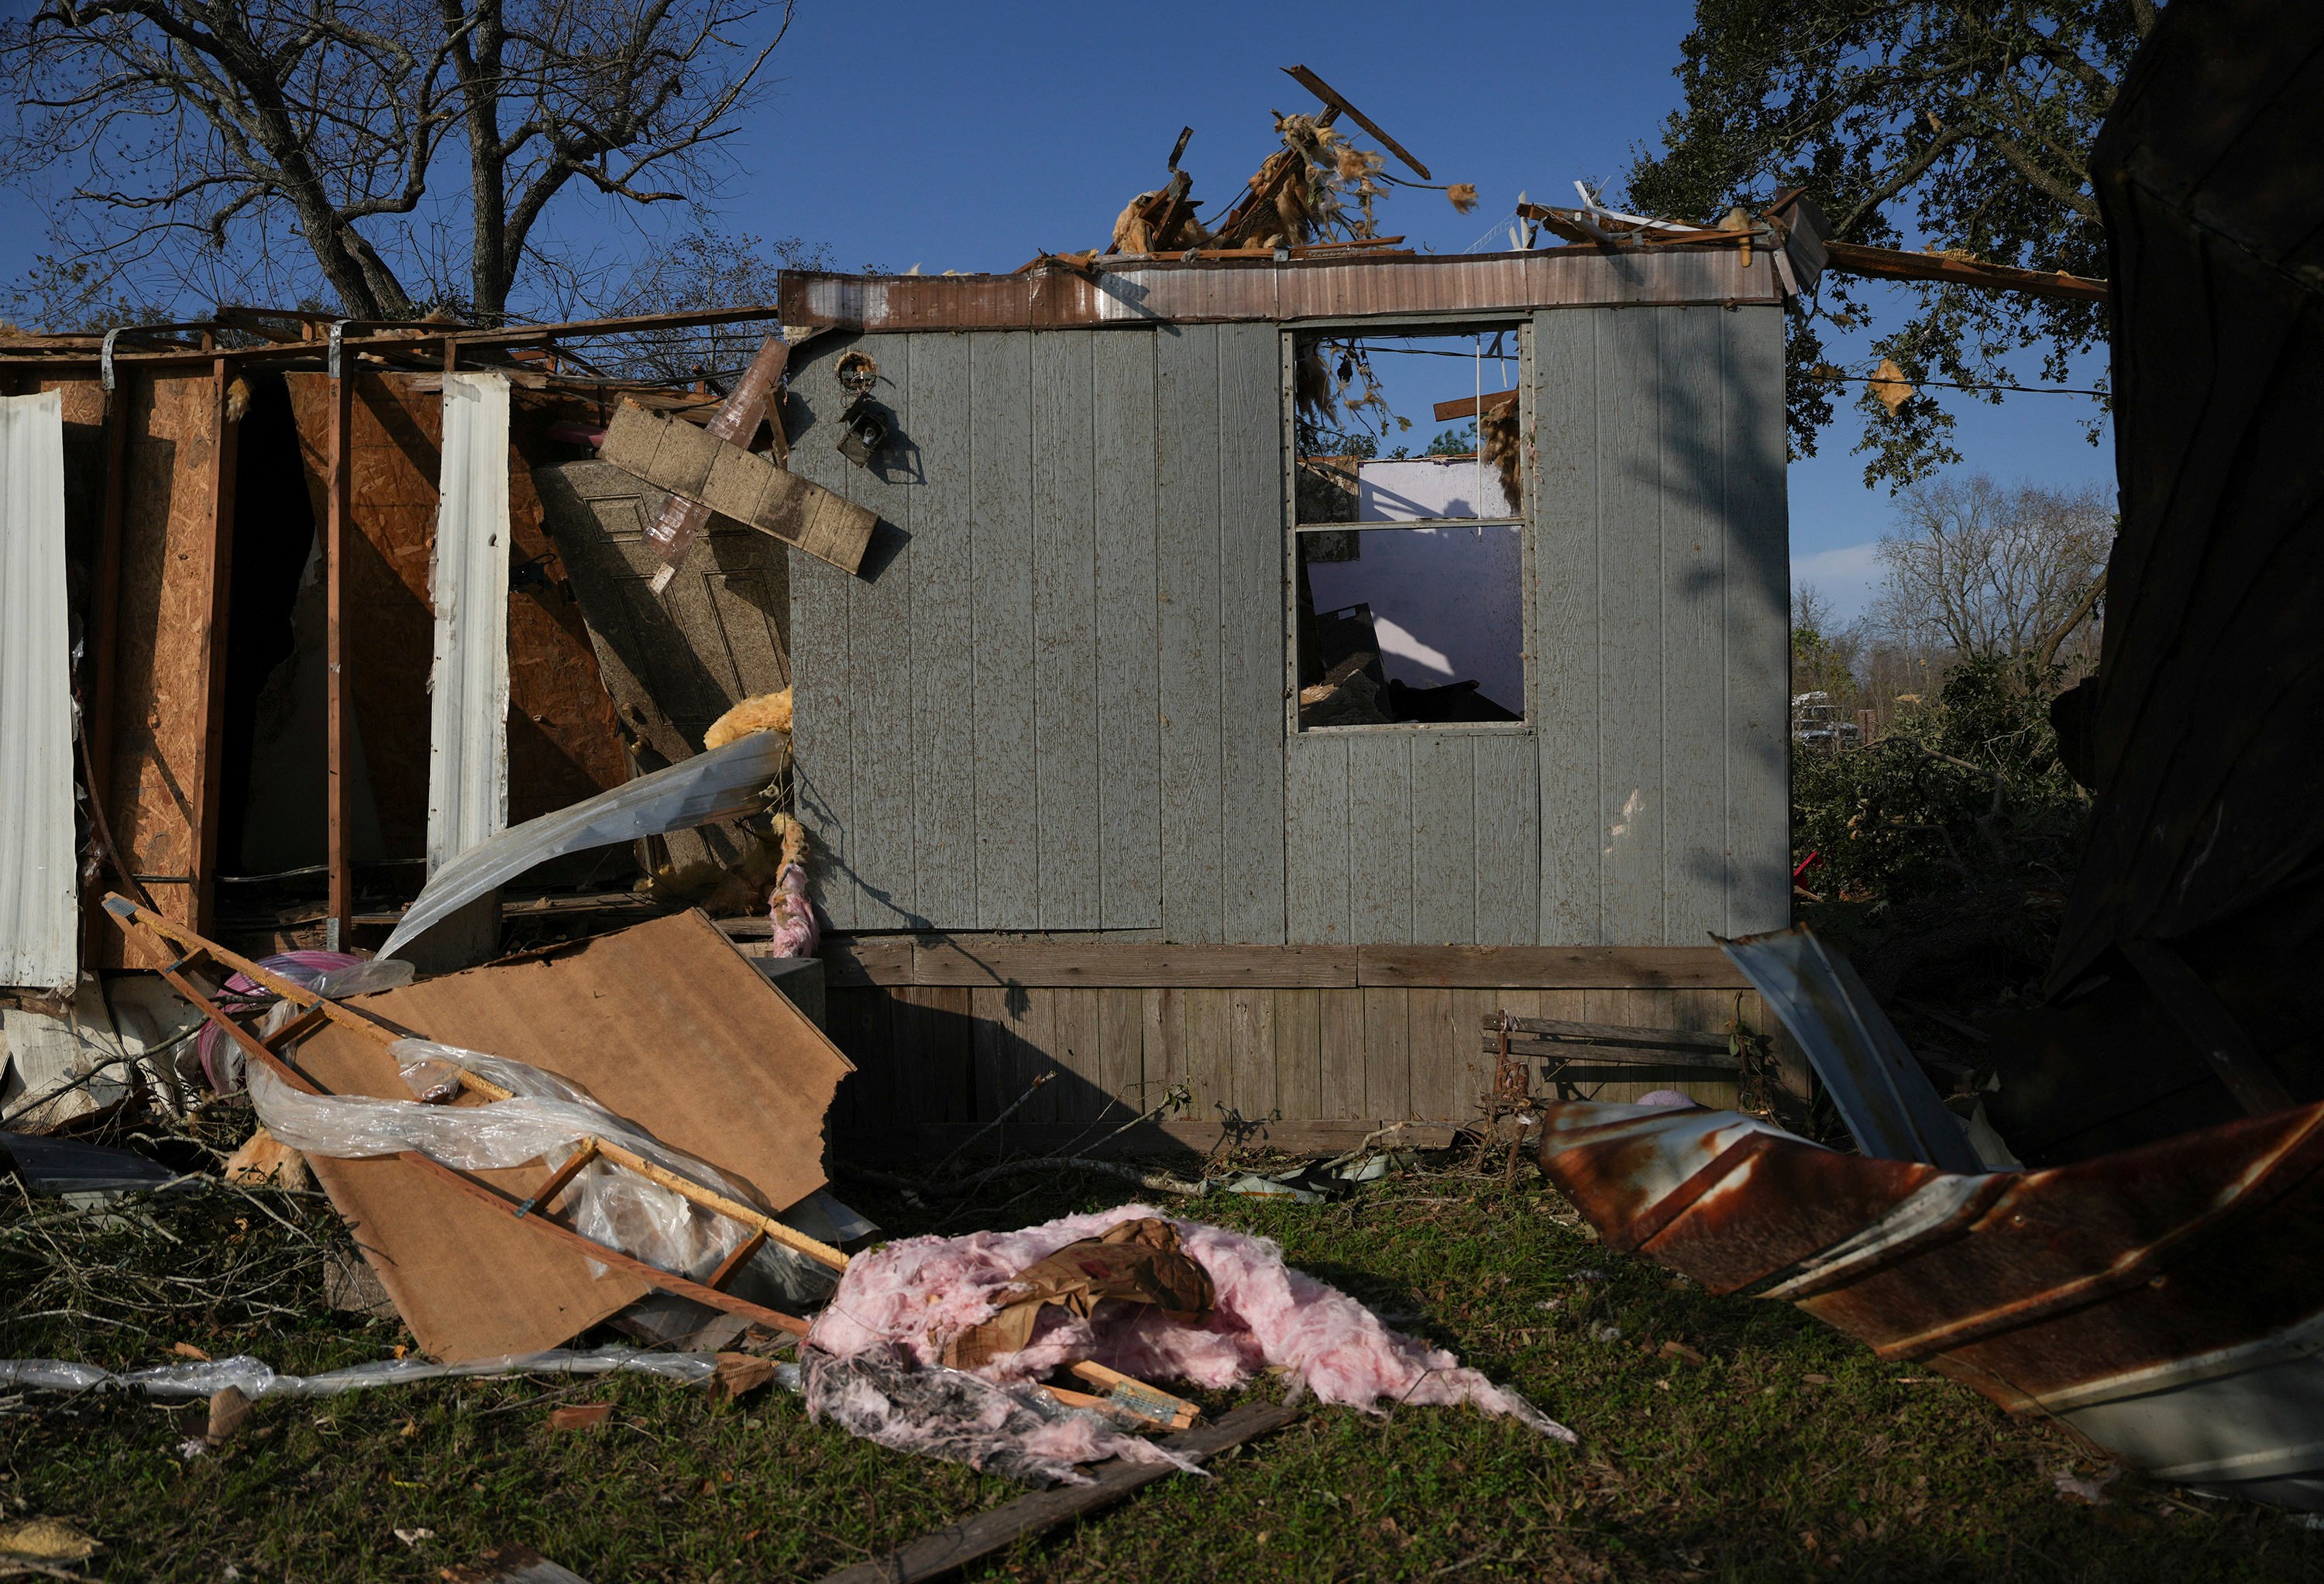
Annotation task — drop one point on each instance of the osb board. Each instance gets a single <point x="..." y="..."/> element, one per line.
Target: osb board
<point x="564" y="742"/>
<point x="167" y="649"/>
<point x="667" y="1025"/>
<point x="933" y="1055"/>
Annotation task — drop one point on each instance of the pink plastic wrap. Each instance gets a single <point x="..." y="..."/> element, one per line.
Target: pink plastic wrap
<point x="917" y="1295"/>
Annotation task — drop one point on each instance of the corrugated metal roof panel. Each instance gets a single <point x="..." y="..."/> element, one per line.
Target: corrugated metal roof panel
<point x="1219" y="290"/>
<point x="40" y="913"/>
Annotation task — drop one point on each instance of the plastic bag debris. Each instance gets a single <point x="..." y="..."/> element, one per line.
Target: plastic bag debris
<point x="919" y="1293"/>
<point x="1319" y="1183"/>
<point x="208" y="1376"/>
<point x="722" y="784"/>
<point x="544" y="1120"/>
<point x="1021" y="1433"/>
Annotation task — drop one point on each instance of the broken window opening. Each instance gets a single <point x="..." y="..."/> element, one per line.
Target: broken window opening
<point x="1408" y="570"/>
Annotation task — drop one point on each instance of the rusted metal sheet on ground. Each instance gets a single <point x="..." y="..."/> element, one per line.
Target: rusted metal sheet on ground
<point x="1171" y="292"/>
<point x="2164" y="1301"/>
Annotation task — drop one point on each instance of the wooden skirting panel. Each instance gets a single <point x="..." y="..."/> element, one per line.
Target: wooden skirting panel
<point x="930" y="1057"/>
<point x="1003" y="961"/>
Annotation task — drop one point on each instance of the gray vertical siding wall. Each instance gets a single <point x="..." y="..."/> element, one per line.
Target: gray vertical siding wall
<point x="1059" y="701"/>
<point x="1055" y="703"/>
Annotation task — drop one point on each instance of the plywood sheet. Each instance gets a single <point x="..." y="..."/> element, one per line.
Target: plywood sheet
<point x="667" y="1025"/>
<point x="170" y="642"/>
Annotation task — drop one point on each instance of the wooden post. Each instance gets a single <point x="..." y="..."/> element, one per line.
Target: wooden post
<point x="340" y="917"/>
<point x="105" y="637"/>
<point x="226" y="432"/>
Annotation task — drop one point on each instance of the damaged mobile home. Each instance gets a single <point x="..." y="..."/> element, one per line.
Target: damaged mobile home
<point x="1115" y="745"/>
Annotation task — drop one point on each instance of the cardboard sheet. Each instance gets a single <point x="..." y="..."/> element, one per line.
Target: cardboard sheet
<point x="664" y="1023"/>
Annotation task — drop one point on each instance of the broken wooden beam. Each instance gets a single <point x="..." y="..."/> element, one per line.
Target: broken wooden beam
<point x="1889" y="263"/>
<point x="672" y="454"/>
<point x="1331" y="97"/>
<point x="1466" y="406"/>
<point x="956" y="1545"/>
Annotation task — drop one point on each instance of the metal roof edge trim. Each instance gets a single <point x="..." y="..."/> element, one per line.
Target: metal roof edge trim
<point x="1155" y="293"/>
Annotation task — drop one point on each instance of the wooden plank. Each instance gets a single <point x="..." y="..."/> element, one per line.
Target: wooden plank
<point x="913" y="1145"/>
<point x="1316" y="839"/>
<point x="882" y="606"/>
<point x="228" y="430"/>
<point x="1340" y="1067"/>
<point x="1474" y="1071"/>
<point x="934" y="1053"/>
<point x="942" y="636"/>
<point x="1564" y="416"/>
<point x="1443" y="822"/>
<point x="1549" y="967"/>
<point x="1008" y="959"/>
<point x="992" y="1060"/>
<point x="1695" y="879"/>
<point x="1187" y="580"/>
<point x="1130" y="963"/>
<point x="1250" y="632"/>
<point x="1252" y="1036"/>
<point x="1298" y="1052"/>
<point x="1379" y="836"/>
<point x="1008" y="827"/>
<point x="1631" y="805"/>
<point x="673" y="455"/>
<point x="1440" y="1048"/>
<point x="1121" y="1043"/>
<point x="1757" y="664"/>
<point x="1164" y="1027"/>
<point x="1129" y="676"/>
<point x="1209" y="1053"/>
<point x="1077" y="1094"/>
<point x="956" y="1545"/>
<point x="1508" y="838"/>
<point x="1065" y="630"/>
<point x="1388" y="1055"/>
<point x="861" y="1023"/>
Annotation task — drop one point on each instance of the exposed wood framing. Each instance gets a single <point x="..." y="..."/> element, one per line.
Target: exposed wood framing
<point x="336" y="509"/>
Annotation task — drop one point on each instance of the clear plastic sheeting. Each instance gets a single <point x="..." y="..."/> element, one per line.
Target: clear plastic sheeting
<point x="545" y="1119"/>
<point x="1019" y="1432"/>
<point x="255" y="1379"/>
<point x="724" y="783"/>
<point x="335" y="974"/>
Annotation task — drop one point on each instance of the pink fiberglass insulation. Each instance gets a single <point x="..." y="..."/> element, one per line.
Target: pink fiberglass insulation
<point x="917" y="1295"/>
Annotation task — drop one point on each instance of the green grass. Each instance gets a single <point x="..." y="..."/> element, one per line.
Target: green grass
<point x="1788" y="1453"/>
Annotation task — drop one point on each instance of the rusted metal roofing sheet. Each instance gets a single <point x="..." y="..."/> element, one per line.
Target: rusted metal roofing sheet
<point x="2164" y="1301"/>
<point x="1216" y="290"/>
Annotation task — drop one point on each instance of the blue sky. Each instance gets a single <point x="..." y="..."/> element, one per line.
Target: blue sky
<point x="969" y="137"/>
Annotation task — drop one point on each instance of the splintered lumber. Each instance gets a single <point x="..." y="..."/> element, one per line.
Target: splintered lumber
<point x="1889" y="263"/>
<point x="956" y="1545"/>
<point x="672" y="454"/>
<point x="1135" y="1397"/>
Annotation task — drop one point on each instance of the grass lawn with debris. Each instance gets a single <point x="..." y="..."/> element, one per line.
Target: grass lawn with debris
<point x="1720" y="1439"/>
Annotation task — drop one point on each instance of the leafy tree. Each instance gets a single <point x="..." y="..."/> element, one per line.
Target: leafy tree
<point x="1460" y="442"/>
<point x="1964" y="794"/>
<point x="398" y="154"/>
<point x="1967" y="122"/>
